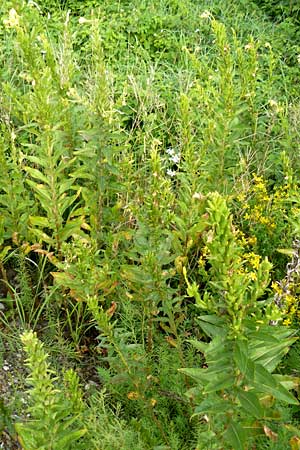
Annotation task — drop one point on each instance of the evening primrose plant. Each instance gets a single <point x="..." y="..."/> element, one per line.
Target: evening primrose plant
<point x="243" y="349"/>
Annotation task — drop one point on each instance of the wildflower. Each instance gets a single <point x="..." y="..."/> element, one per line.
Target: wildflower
<point x="153" y="402"/>
<point x="254" y="260"/>
<point x="171" y="173"/>
<point x="206" y="14"/>
<point x="175" y="158"/>
<point x="252" y="240"/>
<point x="13" y="19"/>
<point x="252" y="276"/>
<point x="198" y="196"/>
<point x="82" y="20"/>
<point x="133" y="395"/>
<point x="248" y="46"/>
<point x="171" y="151"/>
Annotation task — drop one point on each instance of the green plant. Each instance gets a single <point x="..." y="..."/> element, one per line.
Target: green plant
<point x="119" y="123"/>
<point x="237" y="390"/>
<point x="53" y="412"/>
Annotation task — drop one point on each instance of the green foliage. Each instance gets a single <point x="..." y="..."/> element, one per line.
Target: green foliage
<point x="149" y="171"/>
<point x="53" y="412"/>
<point x="244" y="349"/>
<point x="280" y="9"/>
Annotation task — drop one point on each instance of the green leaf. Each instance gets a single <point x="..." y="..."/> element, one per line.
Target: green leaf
<point x="39" y="221"/>
<point x="35" y="173"/>
<point x="220" y="382"/>
<point x="241" y="355"/>
<point x="213" y="319"/>
<point x="235" y="435"/>
<point x="72" y="227"/>
<point x="70" y="436"/>
<point x="199" y="345"/>
<point x="259" y="336"/>
<point x="287" y="381"/>
<point x="249" y="401"/>
<point x="42" y="191"/>
<point x="213" y="406"/>
<point x="212" y="325"/>
<point x="270" y="355"/>
<point x="265" y="382"/>
<point x="65" y="186"/>
<point x="200" y="375"/>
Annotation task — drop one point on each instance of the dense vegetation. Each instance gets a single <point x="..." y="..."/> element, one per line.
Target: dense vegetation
<point x="149" y="224"/>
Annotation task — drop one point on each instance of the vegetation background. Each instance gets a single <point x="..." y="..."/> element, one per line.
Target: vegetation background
<point x="149" y="224"/>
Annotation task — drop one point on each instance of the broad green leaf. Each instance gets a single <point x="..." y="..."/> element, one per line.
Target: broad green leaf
<point x="72" y="227"/>
<point x="241" y="355"/>
<point x="213" y="407"/>
<point x="212" y="326"/>
<point x="65" y="203"/>
<point x="213" y="319"/>
<point x="249" y="374"/>
<point x="35" y="173"/>
<point x="260" y="336"/>
<point x="135" y="274"/>
<point x="210" y="329"/>
<point x="265" y="382"/>
<point x="219" y="382"/>
<point x="199" y="345"/>
<point x="235" y="435"/>
<point x="43" y="236"/>
<point x="270" y="355"/>
<point x="65" y="186"/>
<point x="200" y="375"/>
<point x="38" y="160"/>
<point x="287" y="381"/>
<point x="42" y="191"/>
<point x="70" y="436"/>
<point x="39" y="221"/>
<point x="249" y="401"/>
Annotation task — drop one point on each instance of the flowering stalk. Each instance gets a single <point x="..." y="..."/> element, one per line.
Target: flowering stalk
<point x="285" y="289"/>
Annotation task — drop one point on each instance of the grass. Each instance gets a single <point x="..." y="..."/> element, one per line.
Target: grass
<point x="149" y="225"/>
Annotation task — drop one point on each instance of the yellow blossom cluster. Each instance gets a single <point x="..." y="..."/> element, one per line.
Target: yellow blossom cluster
<point x="245" y="241"/>
<point x="259" y="207"/>
<point x="203" y="257"/>
<point x="290" y="303"/>
<point x="253" y="259"/>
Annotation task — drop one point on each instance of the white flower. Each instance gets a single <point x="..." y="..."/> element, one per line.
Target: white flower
<point x="175" y="158"/>
<point x="82" y="20"/>
<point x="171" y="173"/>
<point x="198" y="196"/>
<point x="171" y="151"/>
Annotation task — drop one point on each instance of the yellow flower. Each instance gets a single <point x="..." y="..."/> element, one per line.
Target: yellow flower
<point x="133" y="395"/>
<point x="287" y="322"/>
<point x="253" y="259"/>
<point x="252" y="276"/>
